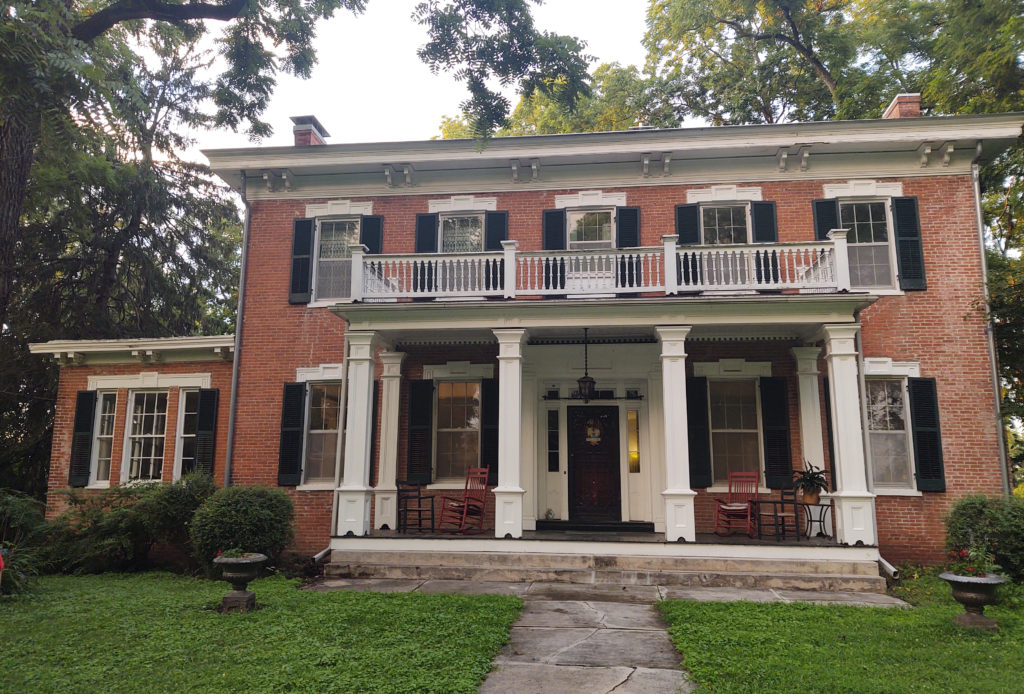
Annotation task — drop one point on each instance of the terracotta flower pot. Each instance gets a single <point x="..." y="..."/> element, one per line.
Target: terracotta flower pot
<point x="974" y="593"/>
<point x="811" y="497"/>
<point x="239" y="572"/>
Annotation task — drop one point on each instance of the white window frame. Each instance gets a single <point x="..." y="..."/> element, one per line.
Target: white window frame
<point x="890" y="232"/>
<point x="94" y="459"/>
<point x="476" y="214"/>
<point x="180" y="435"/>
<point x="569" y="211"/>
<point x="453" y="482"/>
<point x="724" y="203"/>
<point x="126" y="452"/>
<point x="315" y="274"/>
<point x="320" y="484"/>
<point x="910" y="489"/>
<point x="719" y="486"/>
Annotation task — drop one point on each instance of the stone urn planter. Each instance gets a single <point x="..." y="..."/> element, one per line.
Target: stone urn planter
<point x="239" y="571"/>
<point x="974" y="592"/>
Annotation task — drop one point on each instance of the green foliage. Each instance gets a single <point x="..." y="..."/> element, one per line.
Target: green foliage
<point x="80" y="631"/>
<point x="990" y="525"/>
<point x="767" y="648"/>
<point x="168" y="508"/>
<point x="22" y="531"/>
<point x="253" y="519"/>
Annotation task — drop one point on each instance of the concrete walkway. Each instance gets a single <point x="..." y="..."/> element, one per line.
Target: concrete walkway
<point x="597" y="639"/>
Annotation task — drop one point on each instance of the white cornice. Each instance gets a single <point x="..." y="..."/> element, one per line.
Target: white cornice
<point x="323" y="372"/>
<point x="176" y="349"/>
<point x="882" y="366"/>
<point x="149" y="379"/>
<point x="339" y="208"/>
<point x="590" y="198"/>
<point x="463" y="203"/>
<point x="863" y="188"/>
<point x="733" y="368"/>
<point x="458" y="370"/>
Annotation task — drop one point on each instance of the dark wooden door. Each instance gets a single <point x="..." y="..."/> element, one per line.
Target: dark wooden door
<point x="594" y="488"/>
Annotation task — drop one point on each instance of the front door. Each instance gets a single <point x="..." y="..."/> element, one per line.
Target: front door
<point x="594" y="487"/>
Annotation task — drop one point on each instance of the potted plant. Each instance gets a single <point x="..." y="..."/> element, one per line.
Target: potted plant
<point x="973" y="575"/>
<point x="811" y="482"/>
<point x="239" y="568"/>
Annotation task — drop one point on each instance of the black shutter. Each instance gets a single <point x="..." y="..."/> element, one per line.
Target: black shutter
<point x="375" y="414"/>
<point x="699" y="425"/>
<point x="826" y="217"/>
<point x="420" y="468"/>
<point x="495" y="230"/>
<point x="924" y="423"/>
<point x="828" y="432"/>
<point x="909" y="253"/>
<point x="489" y="428"/>
<point x="300" y="291"/>
<point x="762" y="216"/>
<point x="554" y="230"/>
<point x="688" y="224"/>
<point x="426" y="233"/>
<point x="627" y="227"/>
<point x="206" y="429"/>
<point x="778" y="459"/>
<point x="81" y="439"/>
<point x="371" y="234"/>
<point x="293" y="428"/>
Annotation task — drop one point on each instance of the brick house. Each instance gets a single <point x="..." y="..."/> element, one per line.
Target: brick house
<point x="748" y="298"/>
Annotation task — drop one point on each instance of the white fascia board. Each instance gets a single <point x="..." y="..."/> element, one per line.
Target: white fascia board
<point x="130" y="349"/>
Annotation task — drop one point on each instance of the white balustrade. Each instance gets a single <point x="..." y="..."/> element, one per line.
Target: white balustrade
<point x="801" y="266"/>
<point x="428" y="275"/>
<point x="612" y="271"/>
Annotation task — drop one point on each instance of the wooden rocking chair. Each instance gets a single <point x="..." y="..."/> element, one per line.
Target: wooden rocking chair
<point x="465" y="514"/>
<point x="737" y="512"/>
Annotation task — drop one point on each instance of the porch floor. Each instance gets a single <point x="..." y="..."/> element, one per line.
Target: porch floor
<point x="606" y="536"/>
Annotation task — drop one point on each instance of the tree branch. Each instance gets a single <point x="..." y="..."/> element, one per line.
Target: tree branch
<point x="126" y="10"/>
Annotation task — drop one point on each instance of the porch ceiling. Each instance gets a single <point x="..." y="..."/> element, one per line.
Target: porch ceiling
<point x="796" y="317"/>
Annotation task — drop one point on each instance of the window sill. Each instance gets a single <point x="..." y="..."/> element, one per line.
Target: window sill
<point x="324" y="303"/>
<point x="448" y="485"/>
<point x="316" y="487"/>
<point x="99" y="485"/>
<point x="897" y="492"/>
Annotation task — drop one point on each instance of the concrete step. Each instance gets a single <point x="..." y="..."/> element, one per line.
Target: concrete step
<point x="595" y="562"/>
<point x="779" y="579"/>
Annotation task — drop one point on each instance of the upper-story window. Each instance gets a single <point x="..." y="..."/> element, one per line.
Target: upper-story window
<point x="461" y="233"/>
<point x="335" y="237"/>
<point x="868" y="238"/>
<point x="724" y="224"/>
<point x="147" y="426"/>
<point x="590" y="228"/>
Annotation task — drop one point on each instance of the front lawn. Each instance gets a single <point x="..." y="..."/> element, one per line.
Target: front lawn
<point x="758" y="647"/>
<point x="157" y="632"/>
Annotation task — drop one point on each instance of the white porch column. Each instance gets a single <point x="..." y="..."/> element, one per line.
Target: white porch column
<point x="855" y="505"/>
<point x="679" y="519"/>
<point x="354" y="492"/>
<point x="385" y="493"/>
<point x="508" y="495"/>
<point x="810" y="405"/>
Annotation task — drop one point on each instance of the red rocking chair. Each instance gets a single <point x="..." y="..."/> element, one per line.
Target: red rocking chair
<point x="737" y="512"/>
<point x="466" y="513"/>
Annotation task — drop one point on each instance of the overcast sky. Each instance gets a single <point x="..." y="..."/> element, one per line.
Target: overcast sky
<point x="369" y="85"/>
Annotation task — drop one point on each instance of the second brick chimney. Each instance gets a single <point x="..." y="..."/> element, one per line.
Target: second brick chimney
<point x="904" y="106"/>
<point x="308" y="131"/>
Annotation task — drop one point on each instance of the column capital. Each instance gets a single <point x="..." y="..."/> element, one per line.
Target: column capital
<point x="392" y="363"/>
<point x="361" y="344"/>
<point x="840" y="339"/>
<point x="806" y="359"/>
<point x="673" y="340"/>
<point x="510" y="342"/>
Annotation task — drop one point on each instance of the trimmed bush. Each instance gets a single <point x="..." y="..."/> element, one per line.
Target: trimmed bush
<point x="168" y="508"/>
<point x="253" y="519"/>
<point x="992" y="524"/>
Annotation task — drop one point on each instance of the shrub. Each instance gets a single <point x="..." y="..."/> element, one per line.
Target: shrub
<point x="168" y="509"/>
<point x="102" y="531"/>
<point x="254" y="519"/>
<point x="992" y="524"/>
<point x="22" y="531"/>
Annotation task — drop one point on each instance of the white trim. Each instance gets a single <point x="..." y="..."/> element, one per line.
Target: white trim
<point x="732" y="368"/>
<point x="900" y="491"/>
<point x="590" y="198"/>
<point x="861" y="189"/>
<point x="125" y="444"/>
<point x="882" y="366"/>
<point x="315" y="487"/>
<point x="180" y="430"/>
<point x="98" y="485"/>
<point x="149" y="380"/>
<point x="458" y="371"/>
<point x="94" y="454"/>
<point x="447" y="484"/>
<point x="463" y="203"/>
<point x="339" y="208"/>
<point x="723" y="194"/>
<point x="323" y="372"/>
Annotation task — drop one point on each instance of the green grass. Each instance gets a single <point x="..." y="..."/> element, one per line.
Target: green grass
<point x="756" y="647"/>
<point x="157" y="632"/>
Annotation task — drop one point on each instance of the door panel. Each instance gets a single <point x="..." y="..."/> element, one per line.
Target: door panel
<point x="594" y="477"/>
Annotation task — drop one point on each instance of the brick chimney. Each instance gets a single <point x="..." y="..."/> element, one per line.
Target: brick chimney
<point x="308" y="131"/>
<point x="904" y="106"/>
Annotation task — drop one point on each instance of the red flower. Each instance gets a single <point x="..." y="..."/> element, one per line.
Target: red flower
<point x="219" y="552"/>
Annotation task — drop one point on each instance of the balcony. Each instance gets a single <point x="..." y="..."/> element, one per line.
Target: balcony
<point x="803" y="268"/>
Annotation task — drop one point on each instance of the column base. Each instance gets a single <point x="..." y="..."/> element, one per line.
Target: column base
<point x="855" y="518"/>
<point x="679" y="518"/>
<point x="508" y="512"/>
<point x="354" y="510"/>
<point x="385" y="506"/>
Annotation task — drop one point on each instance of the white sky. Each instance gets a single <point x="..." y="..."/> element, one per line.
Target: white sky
<point x="369" y="85"/>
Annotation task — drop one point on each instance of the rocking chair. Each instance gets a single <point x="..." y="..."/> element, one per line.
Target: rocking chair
<point x="466" y="513"/>
<point x="738" y="510"/>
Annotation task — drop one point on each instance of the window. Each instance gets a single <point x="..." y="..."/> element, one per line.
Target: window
<point x="188" y="419"/>
<point x="735" y="435"/>
<point x="590" y="228"/>
<point x="463" y="233"/>
<point x="724" y="224"/>
<point x="334" y="264"/>
<point x="870" y="255"/>
<point x="633" y="439"/>
<point x="553" y="449"/>
<point x="458" y="428"/>
<point x="322" y="435"/>
<point x="888" y="435"/>
<point x="104" y="434"/>
<point x="146" y="435"/>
